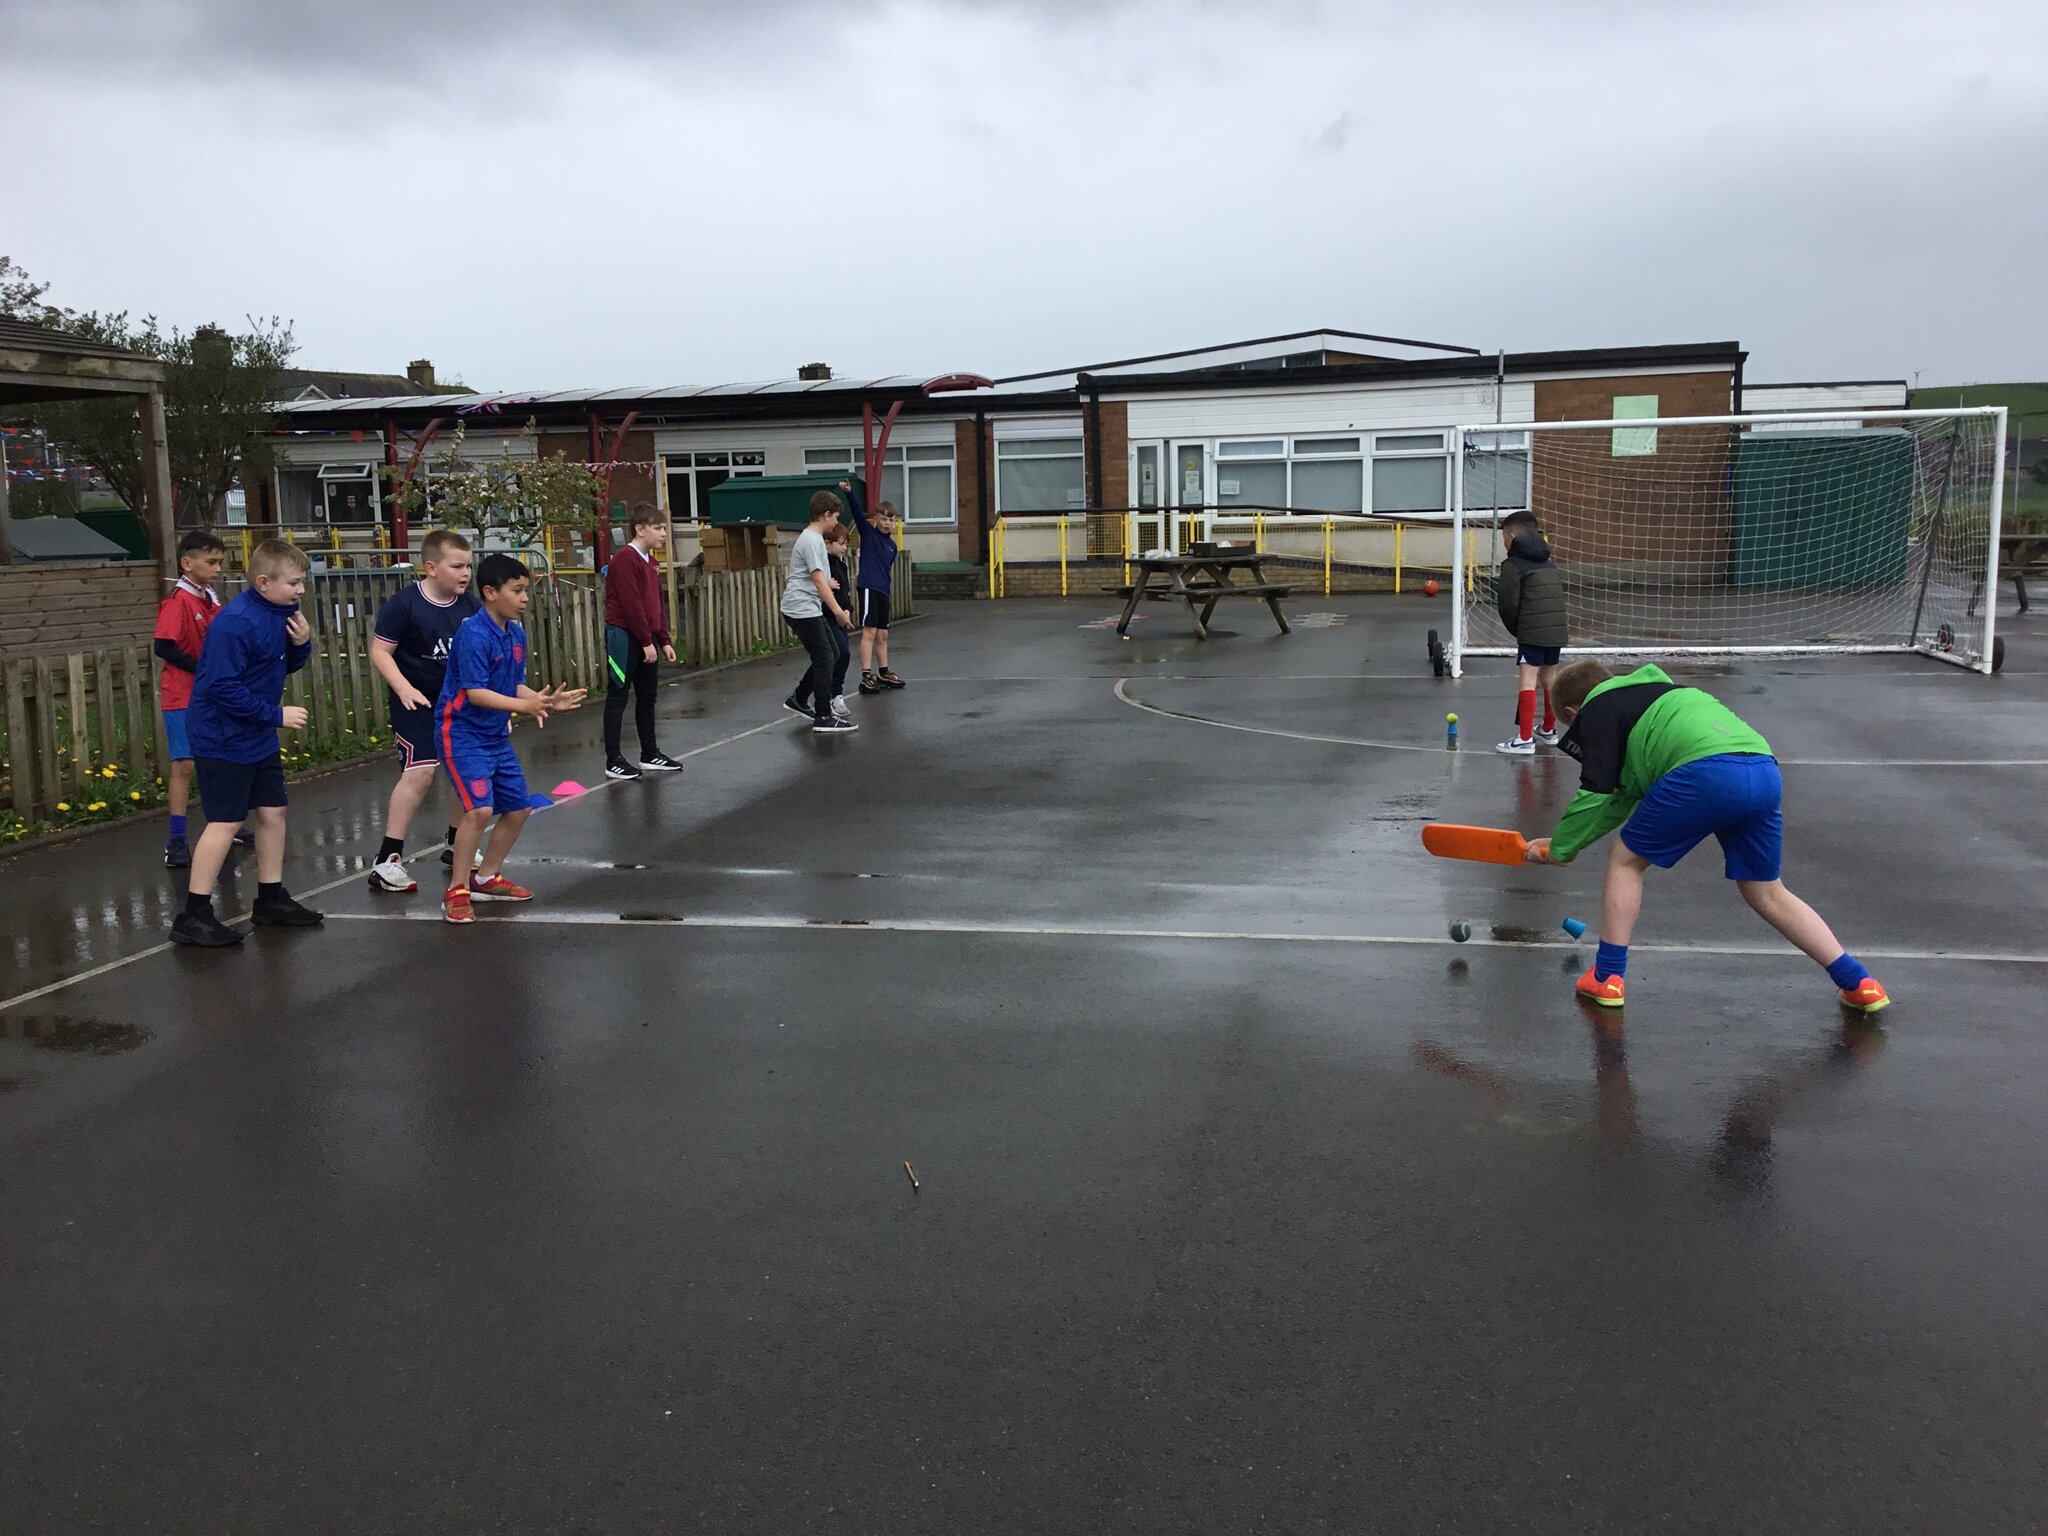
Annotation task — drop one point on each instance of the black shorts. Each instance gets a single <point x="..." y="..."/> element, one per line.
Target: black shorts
<point x="1538" y="655"/>
<point x="229" y="791"/>
<point x="874" y="610"/>
<point x="413" y="731"/>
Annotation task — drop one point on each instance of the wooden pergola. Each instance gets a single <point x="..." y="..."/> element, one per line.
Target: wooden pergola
<point x="38" y="364"/>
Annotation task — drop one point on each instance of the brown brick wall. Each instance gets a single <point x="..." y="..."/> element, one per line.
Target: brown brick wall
<point x="1114" y="452"/>
<point x="966" y="458"/>
<point x="1667" y="508"/>
<point x="45" y="611"/>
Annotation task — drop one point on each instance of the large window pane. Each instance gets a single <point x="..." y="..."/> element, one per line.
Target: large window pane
<point x="1039" y="483"/>
<point x="1409" y="485"/>
<point x="1496" y="482"/>
<point x="931" y="494"/>
<point x="1251" y="485"/>
<point x="1331" y="485"/>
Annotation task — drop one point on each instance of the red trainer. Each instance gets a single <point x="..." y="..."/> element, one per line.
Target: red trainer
<point x="455" y="907"/>
<point x="498" y="888"/>
<point x="1608" y="993"/>
<point x="1868" y="997"/>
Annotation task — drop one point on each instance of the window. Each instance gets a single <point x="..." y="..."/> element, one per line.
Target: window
<point x="918" y="479"/>
<point x="1410" y="472"/>
<point x="1252" y="473"/>
<point x="1496" y="471"/>
<point x="1328" y="475"/>
<point x="1040" y="474"/>
<point x="690" y="477"/>
<point x="1634" y="442"/>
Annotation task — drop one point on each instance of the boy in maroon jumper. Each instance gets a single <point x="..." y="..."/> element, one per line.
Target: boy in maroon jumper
<point x="635" y="622"/>
<point x="181" y="624"/>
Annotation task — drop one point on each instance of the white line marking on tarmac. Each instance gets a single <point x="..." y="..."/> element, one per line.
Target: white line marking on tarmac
<point x="358" y="874"/>
<point x="942" y="926"/>
<point x="1402" y="746"/>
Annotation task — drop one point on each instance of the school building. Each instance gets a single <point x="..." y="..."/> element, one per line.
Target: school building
<point x="1298" y="426"/>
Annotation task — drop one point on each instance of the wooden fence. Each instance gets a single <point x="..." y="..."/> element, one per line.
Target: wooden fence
<point x="67" y="715"/>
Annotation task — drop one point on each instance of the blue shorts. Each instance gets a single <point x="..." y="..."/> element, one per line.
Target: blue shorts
<point x="1735" y="797"/>
<point x="174" y="734"/>
<point x="488" y="775"/>
<point x="229" y="791"/>
<point x="413" y="731"/>
<point x="1538" y="655"/>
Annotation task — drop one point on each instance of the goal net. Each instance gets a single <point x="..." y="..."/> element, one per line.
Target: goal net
<point x="1777" y="535"/>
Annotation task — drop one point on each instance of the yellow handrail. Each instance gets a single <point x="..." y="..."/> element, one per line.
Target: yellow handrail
<point x="1399" y="529"/>
<point x="1329" y="539"/>
<point x="1063" y="557"/>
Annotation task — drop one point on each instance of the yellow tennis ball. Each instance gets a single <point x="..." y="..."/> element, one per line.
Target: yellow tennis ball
<point x="1451" y="719"/>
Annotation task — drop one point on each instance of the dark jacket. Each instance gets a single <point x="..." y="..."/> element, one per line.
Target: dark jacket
<point x="238" y="692"/>
<point x="1530" y="593"/>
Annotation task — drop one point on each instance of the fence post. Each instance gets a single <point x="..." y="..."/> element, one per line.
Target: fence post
<point x="1328" y="540"/>
<point x="1063" y="557"/>
<point x="1399" y="529"/>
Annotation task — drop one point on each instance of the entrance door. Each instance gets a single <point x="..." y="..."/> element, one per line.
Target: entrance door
<point x="1148" y="471"/>
<point x="1190" y="490"/>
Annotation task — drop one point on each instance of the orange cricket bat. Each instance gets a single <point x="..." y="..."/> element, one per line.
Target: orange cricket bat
<point x="1483" y="845"/>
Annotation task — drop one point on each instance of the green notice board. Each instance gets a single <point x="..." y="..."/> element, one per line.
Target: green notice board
<point x="1822" y="509"/>
<point x="781" y="499"/>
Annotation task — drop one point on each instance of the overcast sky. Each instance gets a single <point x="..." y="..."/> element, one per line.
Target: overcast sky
<point x="541" y="194"/>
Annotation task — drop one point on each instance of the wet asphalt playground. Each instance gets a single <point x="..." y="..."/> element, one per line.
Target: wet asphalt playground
<point x="1248" y="1202"/>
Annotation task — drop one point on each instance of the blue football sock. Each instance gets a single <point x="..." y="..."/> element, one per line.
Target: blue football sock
<point x="1612" y="960"/>
<point x="1848" y="973"/>
<point x="177" y="826"/>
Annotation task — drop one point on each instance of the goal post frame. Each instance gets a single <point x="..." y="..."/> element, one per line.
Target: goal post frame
<point x="1463" y="568"/>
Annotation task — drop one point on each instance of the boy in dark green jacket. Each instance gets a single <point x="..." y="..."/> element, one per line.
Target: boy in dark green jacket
<point x="1529" y="592"/>
<point x="1669" y="766"/>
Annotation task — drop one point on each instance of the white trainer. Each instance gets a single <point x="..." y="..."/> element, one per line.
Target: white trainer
<point x="1551" y="737"/>
<point x="390" y="877"/>
<point x="840" y="710"/>
<point x="1518" y="747"/>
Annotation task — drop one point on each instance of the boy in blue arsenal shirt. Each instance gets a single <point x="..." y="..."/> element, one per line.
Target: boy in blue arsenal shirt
<point x="232" y="722"/>
<point x="415" y="631"/>
<point x="484" y="687"/>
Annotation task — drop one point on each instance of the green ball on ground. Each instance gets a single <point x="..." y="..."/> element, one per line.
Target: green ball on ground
<point x="1460" y="931"/>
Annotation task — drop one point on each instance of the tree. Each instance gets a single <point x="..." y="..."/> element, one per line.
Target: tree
<point x="218" y="388"/>
<point x="518" y="499"/>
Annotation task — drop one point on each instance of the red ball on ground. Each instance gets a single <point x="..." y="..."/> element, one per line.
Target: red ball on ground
<point x="1429" y="589"/>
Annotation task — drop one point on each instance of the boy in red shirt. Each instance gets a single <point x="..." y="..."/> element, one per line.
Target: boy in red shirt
<point x="181" y="625"/>
<point x="635" y="622"/>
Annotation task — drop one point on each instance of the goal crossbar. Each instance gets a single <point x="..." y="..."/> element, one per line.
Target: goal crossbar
<point x="1928" y="535"/>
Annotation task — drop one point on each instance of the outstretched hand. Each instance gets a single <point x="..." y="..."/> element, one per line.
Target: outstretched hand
<point x="548" y="700"/>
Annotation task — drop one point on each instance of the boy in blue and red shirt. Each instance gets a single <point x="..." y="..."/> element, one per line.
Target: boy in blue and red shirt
<point x="181" y="625"/>
<point x="484" y="687"/>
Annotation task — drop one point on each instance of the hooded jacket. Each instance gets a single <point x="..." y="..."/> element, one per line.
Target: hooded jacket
<point x="1530" y="593"/>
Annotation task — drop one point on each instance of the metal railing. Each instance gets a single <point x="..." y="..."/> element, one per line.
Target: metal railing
<point x="1326" y="542"/>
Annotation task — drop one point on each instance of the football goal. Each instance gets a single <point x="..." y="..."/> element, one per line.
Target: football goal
<point x="1805" y="534"/>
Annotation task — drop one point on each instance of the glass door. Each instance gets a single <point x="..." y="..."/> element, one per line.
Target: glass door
<point x="1190" y="491"/>
<point x="1147" y="525"/>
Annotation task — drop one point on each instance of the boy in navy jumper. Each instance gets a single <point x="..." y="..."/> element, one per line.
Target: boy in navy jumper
<point x="409" y="650"/>
<point x="236" y="712"/>
<point x="635" y="622"/>
<point x="878" y="535"/>
<point x="484" y="688"/>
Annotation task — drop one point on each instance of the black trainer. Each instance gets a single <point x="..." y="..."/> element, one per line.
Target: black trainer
<point x="177" y="854"/>
<point x="619" y="768"/>
<point x="245" y="838"/>
<point x="660" y="762"/>
<point x="889" y="679"/>
<point x="868" y="683"/>
<point x="282" y="911"/>
<point x="204" y="930"/>
<point x="802" y="710"/>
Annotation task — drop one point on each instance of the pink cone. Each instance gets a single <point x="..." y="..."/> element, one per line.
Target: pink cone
<point x="568" y="787"/>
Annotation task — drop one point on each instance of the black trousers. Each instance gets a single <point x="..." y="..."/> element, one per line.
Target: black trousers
<point x="842" y="644"/>
<point x="814" y="690"/>
<point x="626" y="673"/>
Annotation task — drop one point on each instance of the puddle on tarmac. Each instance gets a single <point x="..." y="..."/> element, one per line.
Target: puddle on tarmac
<point x="650" y="917"/>
<point x="73" y="1036"/>
<point x="1511" y="933"/>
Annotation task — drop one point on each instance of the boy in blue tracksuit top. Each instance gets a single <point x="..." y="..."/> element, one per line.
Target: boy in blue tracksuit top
<point x="485" y="686"/>
<point x="877" y="570"/>
<point x="237" y="709"/>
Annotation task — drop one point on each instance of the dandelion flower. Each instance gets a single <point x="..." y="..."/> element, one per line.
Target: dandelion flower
<point x="63" y="805"/>
<point x="134" y="794"/>
<point x="97" y="805"/>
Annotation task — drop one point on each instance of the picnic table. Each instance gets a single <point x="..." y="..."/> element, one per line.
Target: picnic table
<point x="1201" y="579"/>
<point x="2020" y="555"/>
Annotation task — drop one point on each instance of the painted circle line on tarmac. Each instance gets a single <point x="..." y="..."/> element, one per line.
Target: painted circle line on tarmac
<point x="1123" y="694"/>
